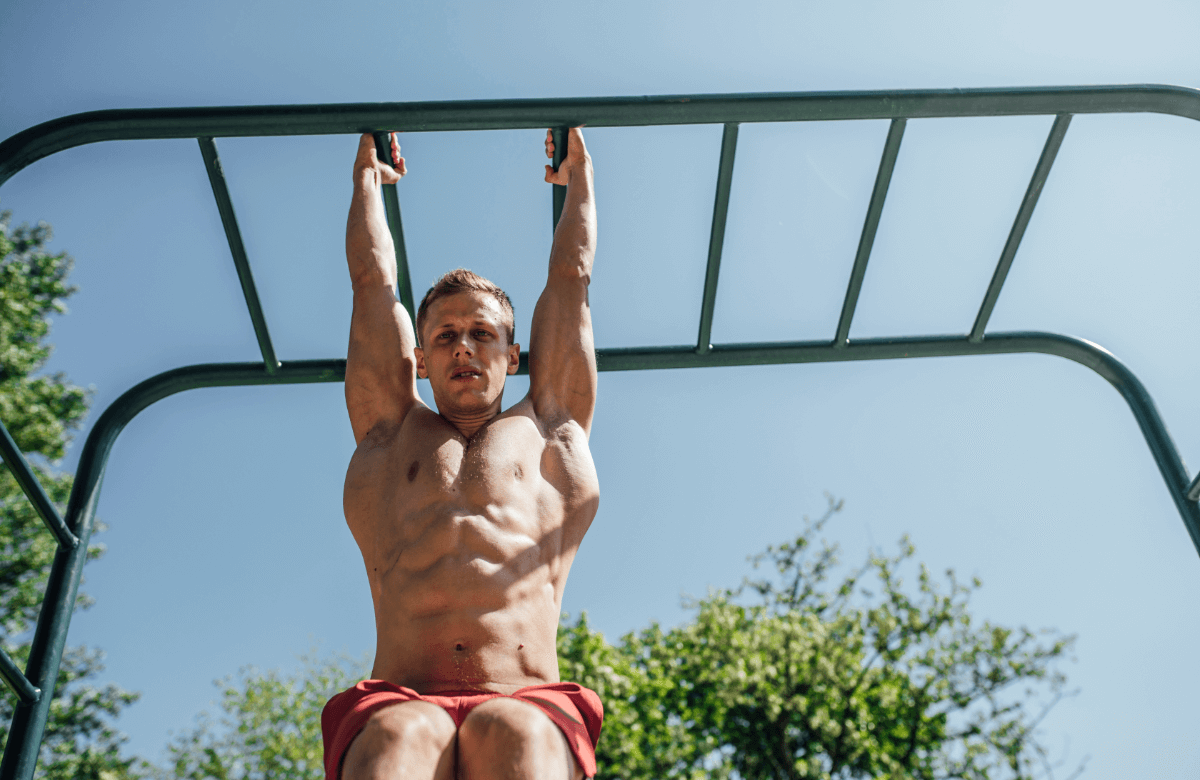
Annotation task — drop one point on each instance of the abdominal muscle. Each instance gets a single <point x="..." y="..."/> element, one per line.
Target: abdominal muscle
<point x="474" y="618"/>
<point x="465" y="566"/>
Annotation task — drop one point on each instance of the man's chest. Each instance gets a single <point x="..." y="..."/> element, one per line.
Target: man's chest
<point x="498" y="464"/>
<point x="507" y="463"/>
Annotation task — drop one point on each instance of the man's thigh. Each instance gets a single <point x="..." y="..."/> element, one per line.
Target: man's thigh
<point x="509" y="738"/>
<point x="412" y="739"/>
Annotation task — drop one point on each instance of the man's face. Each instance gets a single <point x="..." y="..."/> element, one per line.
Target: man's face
<point x="466" y="354"/>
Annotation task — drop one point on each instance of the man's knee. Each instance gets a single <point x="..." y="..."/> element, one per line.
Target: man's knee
<point x="510" y="733"/>
<point x="410" y="739"/>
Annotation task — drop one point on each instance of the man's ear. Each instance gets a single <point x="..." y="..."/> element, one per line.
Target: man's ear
<point x="422" y="372"/>
<point x="514" y="358"/>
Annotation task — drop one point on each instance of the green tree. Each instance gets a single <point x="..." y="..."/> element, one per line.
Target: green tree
<point x="794" y="676"/>
<point x="41" y="412"/>
<point x="812" y="678"/>
<point x="269" y="725"/>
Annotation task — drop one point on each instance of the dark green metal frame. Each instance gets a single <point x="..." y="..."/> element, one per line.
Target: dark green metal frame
<point x="205" y="124"/>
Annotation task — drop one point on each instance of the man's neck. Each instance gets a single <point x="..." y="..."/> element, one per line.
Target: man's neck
<point x="468" y="423"/>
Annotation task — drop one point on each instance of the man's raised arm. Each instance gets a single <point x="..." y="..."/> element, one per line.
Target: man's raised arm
<point x="562" y="354"/>
<point x="381" y="380"/>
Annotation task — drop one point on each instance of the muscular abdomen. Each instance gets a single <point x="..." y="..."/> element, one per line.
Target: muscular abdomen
<point x="464" y="552"/>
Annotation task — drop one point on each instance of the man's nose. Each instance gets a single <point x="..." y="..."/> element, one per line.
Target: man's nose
<point x="464" y="345"/>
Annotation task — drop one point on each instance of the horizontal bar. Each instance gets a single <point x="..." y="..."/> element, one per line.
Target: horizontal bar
<point x="1024" y="213"/>
<point x="883" y="180"/>
<point x="17" y="681"/>
<point x="1098" y="359"/>
<point x="716" y="237"/>
<point x="216" y="177"/>
<point x="208" y="375"/>
<point x="33" y="490"/>
<point x="1078" y="350"/>
<point x="1193" y="491"/>
<point x="45" y="139"/>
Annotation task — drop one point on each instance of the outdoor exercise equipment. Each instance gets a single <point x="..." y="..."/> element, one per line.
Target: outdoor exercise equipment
<point x="73" y="531"/>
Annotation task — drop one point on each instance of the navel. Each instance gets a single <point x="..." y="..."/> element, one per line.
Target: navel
<point x="413" y="469"/>
<point x="518" y="472"/>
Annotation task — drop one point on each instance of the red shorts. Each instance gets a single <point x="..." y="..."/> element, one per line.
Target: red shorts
<point x="576" y="711"/>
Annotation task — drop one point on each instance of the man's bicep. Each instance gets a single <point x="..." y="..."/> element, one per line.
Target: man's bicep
<point x="562" y="354"/>
<point x="381" y="382"/>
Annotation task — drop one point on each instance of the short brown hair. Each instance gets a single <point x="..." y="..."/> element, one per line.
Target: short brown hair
<point x="462" y="280"/>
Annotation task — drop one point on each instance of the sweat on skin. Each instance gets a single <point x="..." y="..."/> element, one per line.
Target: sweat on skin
<point x="468" y="518"/>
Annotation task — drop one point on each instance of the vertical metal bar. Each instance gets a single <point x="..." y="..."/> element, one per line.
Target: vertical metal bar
<point x="49" y="638"/>
<point x="1049" y="151"/>
<point x="559" y="135"/>
<point x="391" y="204"/>
<point x="216" y="177"/>
<point x="883" y="179"/>
<point x="716" y="239"/>
<point x="17" y="680"/>
<point x="391" y="207"/>
<point x="1193" y="491"/>
<point x="33" y="489"/>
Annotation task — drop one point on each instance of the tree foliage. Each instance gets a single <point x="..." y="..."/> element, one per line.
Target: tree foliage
<point x="269" y="726"/>
<point x="799" y="676"/>
<point x="41" y="412"/>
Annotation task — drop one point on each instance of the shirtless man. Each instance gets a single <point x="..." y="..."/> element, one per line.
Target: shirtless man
<point x="468" y="518"/>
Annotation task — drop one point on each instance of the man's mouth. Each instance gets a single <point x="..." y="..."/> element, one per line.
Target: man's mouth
<point x="465" y="372"/>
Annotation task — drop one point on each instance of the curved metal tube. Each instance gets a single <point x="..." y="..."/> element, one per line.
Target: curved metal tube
<point x="66" y="132"/>
<point x="45" y="656"/>
<point x="30" y="716"/>
<point x="100" y="441"/>
<point x="37" y="142"/>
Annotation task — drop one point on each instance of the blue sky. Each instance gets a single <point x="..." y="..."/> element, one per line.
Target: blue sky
<point x="226" y="543"/>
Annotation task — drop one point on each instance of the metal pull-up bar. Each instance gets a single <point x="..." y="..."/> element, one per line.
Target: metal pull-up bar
<point x="207" y="124"/>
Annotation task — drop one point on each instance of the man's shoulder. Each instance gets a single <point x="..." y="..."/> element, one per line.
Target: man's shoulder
<point x="562" y="439"/>
<point x="552" y="421"/>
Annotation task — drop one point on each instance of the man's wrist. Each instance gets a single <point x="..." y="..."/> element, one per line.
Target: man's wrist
<point x="583" y="167"/>
<point x="366" y="176"/>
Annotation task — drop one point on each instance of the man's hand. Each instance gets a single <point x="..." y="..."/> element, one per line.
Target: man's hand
<point x="368" y="160"/>
<point x="577" y="156"/>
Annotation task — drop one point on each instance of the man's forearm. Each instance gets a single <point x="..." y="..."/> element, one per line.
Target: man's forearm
<point x="575" y="237"/>
<point x="369" y="249"/>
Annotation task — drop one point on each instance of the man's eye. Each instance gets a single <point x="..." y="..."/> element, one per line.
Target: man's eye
<point x="482" y="334"/>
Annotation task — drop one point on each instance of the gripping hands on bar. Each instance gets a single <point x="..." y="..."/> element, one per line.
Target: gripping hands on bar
<point x="574" y="156"/>
<point x="387" y="159"/>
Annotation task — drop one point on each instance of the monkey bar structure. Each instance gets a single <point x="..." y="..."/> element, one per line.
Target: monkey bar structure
<point x="34" y="686"/>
